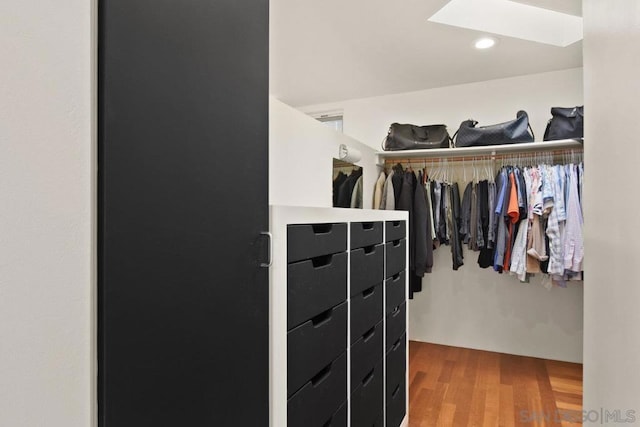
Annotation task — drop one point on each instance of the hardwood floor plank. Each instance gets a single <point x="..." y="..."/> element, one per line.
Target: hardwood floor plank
<point x="453" y="386"/>
<point x="415" y="386"/>
<point x="447" y="371"/>
<point x="507" y="416"/>
<point x="445" y="419"/>
<point x="547" y="398"/>
<point x="491" y="371"/>
<point x="466" y="386"/>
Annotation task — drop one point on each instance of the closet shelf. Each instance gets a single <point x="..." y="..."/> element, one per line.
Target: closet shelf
<point x="489" y="150"/>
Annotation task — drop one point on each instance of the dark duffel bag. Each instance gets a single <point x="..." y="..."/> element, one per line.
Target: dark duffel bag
<point x="412" y="137"/>
<point x="514" y="131"/>
<point x="565" y="123"/>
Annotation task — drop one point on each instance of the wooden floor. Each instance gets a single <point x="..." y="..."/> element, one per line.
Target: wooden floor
<point x="451" y="386"/>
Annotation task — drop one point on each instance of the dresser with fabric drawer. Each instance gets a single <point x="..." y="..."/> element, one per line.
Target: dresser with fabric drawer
<point x="332" y="362"/>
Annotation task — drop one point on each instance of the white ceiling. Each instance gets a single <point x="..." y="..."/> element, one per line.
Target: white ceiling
<point x="332" y="50"/>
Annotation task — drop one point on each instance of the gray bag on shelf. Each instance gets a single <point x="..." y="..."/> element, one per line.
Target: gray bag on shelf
<point x="511" y="132"/>
<point x="566" y="123"/>
<point x="412" y="137"/>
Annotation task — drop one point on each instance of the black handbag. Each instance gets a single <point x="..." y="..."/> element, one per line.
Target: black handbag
<point x="565" y="123"/>
<point x="412" y="137"/>
<point x="514" y="131"/>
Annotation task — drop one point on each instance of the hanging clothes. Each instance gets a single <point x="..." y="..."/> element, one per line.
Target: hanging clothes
<point x="388" y="201"/>
<point x="485" y="257"/>
<point x="345" y="192"/>
<point x="526" y="221"/>
<point x="422" y="224"/>
<point x="465" y="214"/>
<point x="356" y="195"/>
<point x="573" y="239"/>
<point x="491" y="231"/>
<point x="473" y="223"/>
<point x="377" y="191"/>
<point x="456" y="245"/>
<point x="406" y="203"/>
<point x="396" y="180"/>
<point x="500" y="213"/>
<point x="337" y="183"/>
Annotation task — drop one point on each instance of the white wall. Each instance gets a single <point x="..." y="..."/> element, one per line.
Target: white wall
<point x="301" y="153"/>
<point x="46" y="187"/>
<point x="612" y="291"/>
<point x="472" y="307"/>
<point x="489" y="102"/>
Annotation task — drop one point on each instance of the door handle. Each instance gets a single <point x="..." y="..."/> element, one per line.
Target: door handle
<point x="269" y="263"/>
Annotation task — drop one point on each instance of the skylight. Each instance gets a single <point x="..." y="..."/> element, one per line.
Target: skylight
<point x="512" y="19"/>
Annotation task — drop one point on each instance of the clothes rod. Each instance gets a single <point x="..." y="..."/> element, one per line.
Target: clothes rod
<point x="487" y="157"/>
<point x="489" y="150"/>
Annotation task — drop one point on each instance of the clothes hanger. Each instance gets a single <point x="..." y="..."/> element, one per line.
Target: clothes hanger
<point x="464" y="172"/>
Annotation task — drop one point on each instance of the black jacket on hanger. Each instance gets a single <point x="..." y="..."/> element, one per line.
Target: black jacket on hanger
<point x="405" y="203"/>
<point x="346" y="189"/>
<point x="485" y="257"/>
<point x="337" y="183"/>
<point x="456" y="244"/>
<point x="422" y="227"/>
<point x="397" y="182"/>
<point x="442" y="228"/>
<point x="465" y="214"/>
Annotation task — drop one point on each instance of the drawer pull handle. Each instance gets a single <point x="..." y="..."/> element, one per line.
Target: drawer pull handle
<point x="321" y="228"/>
<point x="367" y="225"/>
<point x="369" y="249"/>
<point x="321" y="376"/>
<point x="322" y="318"/>
<point x="395" y="392"/>
<point x="368" y="378"/>
<point x="396" y="243"/>
<point x="369" y="334"/>
<point x="395" y="277"/>
<point x="395" y="311"/>
<point x="367" y="293"/>
<point x="321" y="261"/>
<point x="395" y="223"/>
<point x="396" y="344"/>
<point x="328" y="423"/>
<point x="269" y="263"/>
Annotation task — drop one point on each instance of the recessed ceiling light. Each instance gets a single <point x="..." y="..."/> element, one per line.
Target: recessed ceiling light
<point x="485" y="43"/>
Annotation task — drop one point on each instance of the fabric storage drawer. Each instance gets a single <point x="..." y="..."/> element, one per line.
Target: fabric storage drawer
<point x="312" y="240"/>
<point x="396" y="364"/>
<point x="367" y="400"/>
<point x="321" y="397"/>
<point x="339" y="419"/>
<point x="365" y="234"/>
<point x="314" y="286"/>
<point x="366" y="311"/>
<point x="397" y="405"/>
<point x="395" y="230"/>
<point x="379" y="422"/>
<point x="395" y="289"/>
<point x="366" y="352"/>
<point x="314" y="344"/>
<point x="396" y="253"/>
<point x="396" y="324"/>
<point x="367" y="267"/>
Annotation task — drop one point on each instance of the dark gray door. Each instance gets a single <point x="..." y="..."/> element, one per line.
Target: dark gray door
<point x="183" y="157"/>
